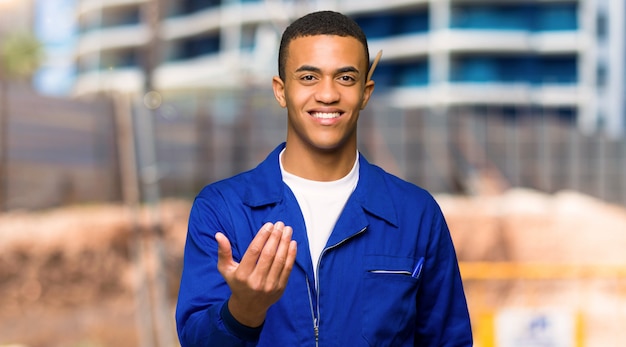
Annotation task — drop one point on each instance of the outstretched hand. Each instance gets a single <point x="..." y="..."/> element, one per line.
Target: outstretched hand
<point x="259" y="280"/>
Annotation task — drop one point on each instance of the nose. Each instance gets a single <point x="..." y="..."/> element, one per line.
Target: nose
<point x="327" y="91"/>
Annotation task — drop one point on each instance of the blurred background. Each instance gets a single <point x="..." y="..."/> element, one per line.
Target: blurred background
<point x="115" y="113"/>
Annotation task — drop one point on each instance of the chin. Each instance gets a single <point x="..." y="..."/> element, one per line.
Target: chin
<point x="330" y="147"/>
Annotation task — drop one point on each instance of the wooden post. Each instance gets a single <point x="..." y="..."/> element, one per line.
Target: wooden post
<point x="163" y="317"/>
<point x="131" y="197"/>
<point x="4" y="143"/>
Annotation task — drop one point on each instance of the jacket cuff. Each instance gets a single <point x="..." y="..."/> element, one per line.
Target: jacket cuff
<point x="238" y="329"/>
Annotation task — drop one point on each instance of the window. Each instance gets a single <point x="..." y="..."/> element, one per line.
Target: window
<point x="559" y="69"/>
<point x="121" y="16"/>
<point x="195" y="47"/>
<point x="127" y="58"/>
<point x="529" y="69"/>
<point x="500" y="17"/>
<point x="390" y="24"/>
<point x="602" y="26"/>
<point x="410" y="74"/>
<point x="512" y="16"/>
<point x="191" y="6"/>
<point x="402" y="74"/>
<point x="491" y="69"/>
<point x="556" y="17"/>
<point x="601" y="76"/>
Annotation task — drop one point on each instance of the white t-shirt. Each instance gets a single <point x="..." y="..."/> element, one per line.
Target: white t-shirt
<point x="321" y="204"/>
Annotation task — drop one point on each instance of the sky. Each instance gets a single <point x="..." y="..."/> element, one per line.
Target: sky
<point x="55" y="26"/>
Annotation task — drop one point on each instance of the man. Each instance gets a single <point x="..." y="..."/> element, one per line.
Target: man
<point x="316" y="246"/>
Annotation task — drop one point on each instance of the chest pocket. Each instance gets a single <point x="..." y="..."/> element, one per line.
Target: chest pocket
<point x="388" y="300"/>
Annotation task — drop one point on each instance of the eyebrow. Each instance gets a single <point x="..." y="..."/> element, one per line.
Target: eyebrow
<point x="318" y="70"/>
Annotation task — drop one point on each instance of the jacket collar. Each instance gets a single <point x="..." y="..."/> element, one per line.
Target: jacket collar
<point x="266" y="185"/>
<point x="372" y="192"/>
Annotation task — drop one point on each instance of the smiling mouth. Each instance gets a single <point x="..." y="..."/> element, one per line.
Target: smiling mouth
<point x="323" y="115"/>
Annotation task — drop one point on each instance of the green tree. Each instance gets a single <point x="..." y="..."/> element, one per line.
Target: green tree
<point x="21" y="54"/>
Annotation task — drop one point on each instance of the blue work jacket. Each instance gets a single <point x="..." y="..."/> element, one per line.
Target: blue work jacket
<point x="387" y="277"/>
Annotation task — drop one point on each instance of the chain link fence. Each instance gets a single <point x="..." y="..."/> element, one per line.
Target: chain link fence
<point x="63" y="152"/>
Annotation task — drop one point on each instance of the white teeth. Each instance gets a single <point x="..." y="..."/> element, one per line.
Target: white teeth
<point x="321" y="115"/>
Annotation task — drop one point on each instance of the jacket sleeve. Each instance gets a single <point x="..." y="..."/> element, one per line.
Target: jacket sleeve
<point x="202" y="317"/>
<point x="443" y="316"/>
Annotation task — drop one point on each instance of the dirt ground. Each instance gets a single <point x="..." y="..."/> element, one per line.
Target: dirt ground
<point x="66" y="275"/>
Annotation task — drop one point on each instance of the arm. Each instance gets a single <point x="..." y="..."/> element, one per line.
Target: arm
<point x="209" y="311"/>
<point x="443" y="317"/>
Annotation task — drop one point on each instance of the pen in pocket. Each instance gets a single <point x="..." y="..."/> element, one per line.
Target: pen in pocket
<point x="418" y="268"/>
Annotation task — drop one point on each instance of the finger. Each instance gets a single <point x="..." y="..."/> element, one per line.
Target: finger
<point x="251" y="257"/>
<point x="273" y="278"/>
<point x="224" y="253"/>
<point x="268" y="254"/>
<point x="291" y="259"/>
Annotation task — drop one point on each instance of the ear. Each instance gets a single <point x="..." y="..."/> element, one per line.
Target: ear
<point x="279" y="91"/>
<point x="367" y="93"/>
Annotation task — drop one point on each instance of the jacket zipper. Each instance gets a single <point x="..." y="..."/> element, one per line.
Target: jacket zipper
<point x="315" y="313"/>
<point x="315" y="325"/>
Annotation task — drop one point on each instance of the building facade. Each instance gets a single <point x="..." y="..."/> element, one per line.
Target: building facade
<point x="15" y="16"/>
<point x="563" y="57"/>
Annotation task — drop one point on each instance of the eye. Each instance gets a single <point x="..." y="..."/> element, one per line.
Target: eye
<point x="347" y="79"/>
<point x="308" y="80"/>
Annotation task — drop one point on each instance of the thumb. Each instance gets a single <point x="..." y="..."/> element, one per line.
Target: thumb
<point x="224" y="253"/>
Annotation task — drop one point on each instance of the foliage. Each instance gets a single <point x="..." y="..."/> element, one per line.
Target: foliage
<point x="21" y="54"/>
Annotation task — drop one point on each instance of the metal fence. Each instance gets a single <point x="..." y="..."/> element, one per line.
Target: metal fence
<point x="65" y="151"/>
<point x="58" y="151"/>
<point x="460" y="150"/>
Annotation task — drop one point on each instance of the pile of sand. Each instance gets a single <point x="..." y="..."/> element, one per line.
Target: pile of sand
<point x="529" y="226"/>
<point x="69" y="272"/>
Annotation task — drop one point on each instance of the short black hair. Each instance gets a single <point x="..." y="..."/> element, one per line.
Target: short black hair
<point x="319" y="23"/>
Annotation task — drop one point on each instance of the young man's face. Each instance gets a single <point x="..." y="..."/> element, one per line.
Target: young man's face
<point x="324" y="90"/>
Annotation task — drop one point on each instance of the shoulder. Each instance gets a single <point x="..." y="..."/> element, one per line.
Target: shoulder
<point x="401" y="189"/>
<point x="399" y="200"/>
<point x="255" y="187"/>
<point x="228" y="186"/>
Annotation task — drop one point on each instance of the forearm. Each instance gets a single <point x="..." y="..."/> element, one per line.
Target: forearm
<point x="215" y="326"/>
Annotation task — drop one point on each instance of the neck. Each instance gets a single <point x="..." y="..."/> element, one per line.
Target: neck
<point x="319" y="165"/>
